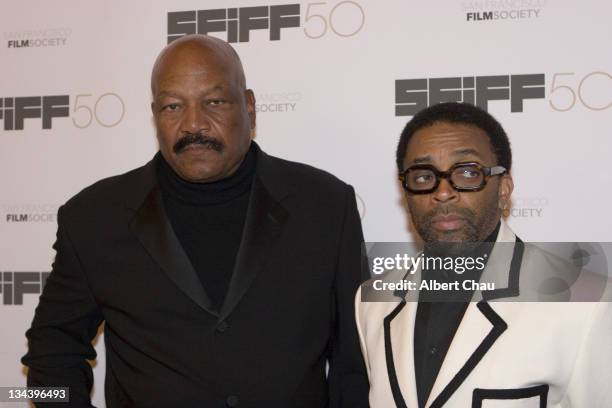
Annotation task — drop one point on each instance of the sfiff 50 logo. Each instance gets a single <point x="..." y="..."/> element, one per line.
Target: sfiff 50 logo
<point x="14" y="285"/>
<point x="14" y="111"/>
<point x="567" y="90"/>
<point x="413" y="95"/>
<point x="107" y="110"/>
<point x="344" y="18"/>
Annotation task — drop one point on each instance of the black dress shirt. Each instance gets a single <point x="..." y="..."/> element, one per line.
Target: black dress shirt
<point x="437" y="321"/>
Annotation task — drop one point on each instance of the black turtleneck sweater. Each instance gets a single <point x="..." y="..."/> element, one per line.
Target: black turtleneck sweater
<point x="208" y="219"/>
<point x="437" y="322"/>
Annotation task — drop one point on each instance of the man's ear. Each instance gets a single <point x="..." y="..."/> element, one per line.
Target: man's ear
<point x="250" y="102"/>
<point x="153" y="108"/>
<point x="506" y="186"/>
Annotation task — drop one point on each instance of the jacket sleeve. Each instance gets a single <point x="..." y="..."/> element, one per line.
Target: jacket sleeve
<point x="65" y="322"/>
<point x="589" y="385"/>
<point x="347" y="378"/>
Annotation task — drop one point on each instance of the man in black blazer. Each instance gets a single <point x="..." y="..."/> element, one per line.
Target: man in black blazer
<point x="224" y="276"/>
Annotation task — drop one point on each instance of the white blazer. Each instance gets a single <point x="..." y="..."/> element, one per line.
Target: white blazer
<point x="504" y="354"/>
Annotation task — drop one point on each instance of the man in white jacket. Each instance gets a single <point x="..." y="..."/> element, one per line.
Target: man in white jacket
<point x="506" y="347"/>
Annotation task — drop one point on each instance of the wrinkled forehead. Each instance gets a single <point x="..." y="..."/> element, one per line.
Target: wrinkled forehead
<point x="449" y="142"/>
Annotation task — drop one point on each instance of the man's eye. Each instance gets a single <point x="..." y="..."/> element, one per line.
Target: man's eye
<point x="216" y="102"/>
<point x="470" y="174"/>
<point x="170" y="107"/>
<point x="423" y="178"/>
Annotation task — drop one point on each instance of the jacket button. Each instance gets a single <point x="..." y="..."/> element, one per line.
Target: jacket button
<point x="221" y="327"/>
<point x="232" y="401"/>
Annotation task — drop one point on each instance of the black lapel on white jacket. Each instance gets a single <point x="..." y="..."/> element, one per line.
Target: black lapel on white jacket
<point x="514" y="274"/>
<point x="499" y="326"/>
<point x="395" y="388"/>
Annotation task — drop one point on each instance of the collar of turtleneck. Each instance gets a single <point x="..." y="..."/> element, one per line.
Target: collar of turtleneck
<point x="216" y="192"/>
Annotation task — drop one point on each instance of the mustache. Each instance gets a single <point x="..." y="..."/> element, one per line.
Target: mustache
<point x="465" y="213"/>
<point x="197" y="138"/>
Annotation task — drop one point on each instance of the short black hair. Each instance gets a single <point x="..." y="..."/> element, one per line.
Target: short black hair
<point x="461" y="113"/>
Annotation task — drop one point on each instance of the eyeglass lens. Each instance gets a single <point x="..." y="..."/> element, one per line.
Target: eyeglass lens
<point x="468" y="176"/>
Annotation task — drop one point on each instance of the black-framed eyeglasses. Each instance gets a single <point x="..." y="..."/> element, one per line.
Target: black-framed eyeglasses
<point x="468" y="176"/>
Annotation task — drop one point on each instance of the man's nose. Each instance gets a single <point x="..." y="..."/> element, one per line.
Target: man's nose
<point x="445" y="192"/>
<point x="195" y="119"/>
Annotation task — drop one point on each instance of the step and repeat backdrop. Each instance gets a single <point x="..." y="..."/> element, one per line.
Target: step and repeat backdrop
<point x="335" y="82"/>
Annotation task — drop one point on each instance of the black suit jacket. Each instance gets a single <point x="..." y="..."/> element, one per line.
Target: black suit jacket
<point x="288" y="310"/>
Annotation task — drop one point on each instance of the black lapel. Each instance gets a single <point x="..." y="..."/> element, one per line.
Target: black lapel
<point x="152" y="227"/>
<point x="391" y="373"/>
<point x="499" y="326"/>
<point x="264" y="220"/>
<point x="514" y="274"/>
